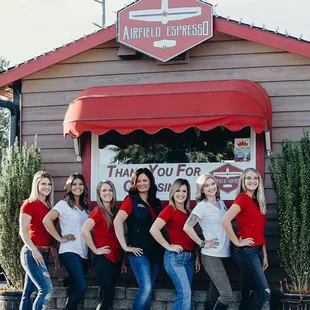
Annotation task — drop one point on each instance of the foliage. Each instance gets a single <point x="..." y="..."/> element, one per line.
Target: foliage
<point x="4" y="116"/>
<point x="290" y="175"/>
<point x="4" y="129"/>
<point x="18" y="168"/>
<point x="159" y="153"/>
<point x="3" y="64"/>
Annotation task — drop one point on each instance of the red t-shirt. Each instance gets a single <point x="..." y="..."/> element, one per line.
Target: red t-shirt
<point x="36" y="230"/>
<point x="127" y="207"/>
<point x="104" y="235"/>
<point x="175" y="220"/>
<point x="251" y="222"/>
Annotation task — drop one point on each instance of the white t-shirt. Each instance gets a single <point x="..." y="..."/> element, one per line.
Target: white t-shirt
<point x="71" y="222"/>
<point x="210" y="222"/>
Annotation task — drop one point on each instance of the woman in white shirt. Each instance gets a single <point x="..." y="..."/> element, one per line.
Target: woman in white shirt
<point x="215" y="247"/>
<point x="72" y="212"/>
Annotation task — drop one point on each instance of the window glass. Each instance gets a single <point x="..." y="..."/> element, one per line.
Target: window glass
<point x="166" y="146"/>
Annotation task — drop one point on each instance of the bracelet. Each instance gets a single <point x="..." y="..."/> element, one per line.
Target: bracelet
<point x="202" y="244"/>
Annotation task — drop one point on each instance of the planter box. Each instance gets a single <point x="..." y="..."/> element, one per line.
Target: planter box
<point x="287" y="301"/>
<point x="9" y="300"/>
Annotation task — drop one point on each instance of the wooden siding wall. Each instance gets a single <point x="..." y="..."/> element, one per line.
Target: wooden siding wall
<point x="285" y="77"/>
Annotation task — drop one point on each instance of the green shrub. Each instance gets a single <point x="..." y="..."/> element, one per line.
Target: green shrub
<point x="18" y="168"/>
<point x="290" y="174"/>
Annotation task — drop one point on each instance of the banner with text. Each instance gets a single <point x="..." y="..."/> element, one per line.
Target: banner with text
<point x="227" y="175"/>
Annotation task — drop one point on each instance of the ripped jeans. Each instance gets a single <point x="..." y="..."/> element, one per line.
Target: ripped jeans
<point x="255" y="289"/>
<point x="37" y="278"/>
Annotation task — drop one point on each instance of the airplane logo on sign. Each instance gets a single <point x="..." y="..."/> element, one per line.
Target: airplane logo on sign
<point x="165" y="14"/>
<point x="164" y="29"/>
<point x="227" y="177"/>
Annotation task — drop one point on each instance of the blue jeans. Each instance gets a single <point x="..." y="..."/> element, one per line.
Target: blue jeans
<point x="180" y="268"/>
<point x="255" y="289"/>
<point x="76" y="267"/>
<point x="36" y="278"/>
<point x="145" y="273"/>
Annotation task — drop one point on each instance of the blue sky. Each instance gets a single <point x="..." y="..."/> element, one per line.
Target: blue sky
<point x="32" y="27"/>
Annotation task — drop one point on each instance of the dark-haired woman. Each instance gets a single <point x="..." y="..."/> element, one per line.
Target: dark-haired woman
<point x="72" y="212"/>
<point x="107" y="250"/>
<point x="34" y="254"/>
<point x="140" y="210"/>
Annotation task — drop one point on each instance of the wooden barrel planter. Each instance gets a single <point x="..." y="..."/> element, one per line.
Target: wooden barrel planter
<point x="9" y="300"/>
<point x="287" y="301"/>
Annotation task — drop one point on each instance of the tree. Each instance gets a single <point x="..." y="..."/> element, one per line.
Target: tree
<point x="4" y="116"/>
<point x="290" y="177"/>
<point x="18" y="167"/>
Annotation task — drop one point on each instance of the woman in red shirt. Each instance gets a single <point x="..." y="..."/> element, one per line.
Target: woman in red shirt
<point x="107" y="250"/>
<point x="249" y="209"/>
<point x="179" y="258"/>
<point x="34" y="254"/>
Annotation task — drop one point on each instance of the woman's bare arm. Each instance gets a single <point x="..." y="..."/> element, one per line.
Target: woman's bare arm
<point x="118" y="222"/>
<point x="226" y="223"/>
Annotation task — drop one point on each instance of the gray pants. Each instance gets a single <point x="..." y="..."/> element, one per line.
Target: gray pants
<point x="219" y="283"/>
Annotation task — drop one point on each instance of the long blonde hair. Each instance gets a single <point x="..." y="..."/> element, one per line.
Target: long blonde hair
<point x="100" y="204"/>
<point x="174" y="187"/>
<point x="34" y="195"/>
<point x="259" y="195"/>
<point x="200" y="183"/>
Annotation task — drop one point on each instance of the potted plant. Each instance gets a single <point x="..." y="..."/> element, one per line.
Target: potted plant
<point x="290" y="175"/>
<point x="17" y="170"/>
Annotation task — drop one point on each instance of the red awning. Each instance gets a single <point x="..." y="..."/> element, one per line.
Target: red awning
<point x="233" y="104"/>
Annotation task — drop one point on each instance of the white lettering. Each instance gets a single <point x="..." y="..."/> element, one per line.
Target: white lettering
<point x="188" y="30"/>
<point x="126" y="34"/>
<point x="134" y="33"/>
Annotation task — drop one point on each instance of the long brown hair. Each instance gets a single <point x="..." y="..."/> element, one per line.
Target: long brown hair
<point x="113" y="203"/>
<point x="69" y="197"/>
<point x="153" y="188"/>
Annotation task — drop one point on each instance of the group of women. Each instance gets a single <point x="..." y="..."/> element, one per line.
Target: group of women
<point x="155" y="235"/>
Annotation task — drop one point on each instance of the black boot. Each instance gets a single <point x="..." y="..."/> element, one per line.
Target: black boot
<point x="220" y="306"/>
<point x="210" y="304"/>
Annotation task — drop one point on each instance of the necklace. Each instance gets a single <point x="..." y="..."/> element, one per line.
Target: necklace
<point x="215" y="204"/>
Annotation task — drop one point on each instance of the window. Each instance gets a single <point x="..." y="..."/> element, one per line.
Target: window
<point x="166" y="146"/>
<point x="171" y="155"/>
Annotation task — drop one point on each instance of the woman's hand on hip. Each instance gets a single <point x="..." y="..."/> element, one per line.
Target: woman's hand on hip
<point x="136" y="251"/>
<point x="175" y="248"/>
<point x="246" y="242"/>
<point x="211" y="244"/>
<point x="66" y="238"/>
<point x="103" y="250"/>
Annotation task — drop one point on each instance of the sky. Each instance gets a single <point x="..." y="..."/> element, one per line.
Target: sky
<point x="32" y="27"/>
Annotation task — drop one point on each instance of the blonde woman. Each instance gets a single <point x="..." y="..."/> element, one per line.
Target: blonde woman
<point x="72" y="212"/>
<point x="215" y="247"/>
<point x="249" y="209"/>
<point x="34" y="254"/>
<point x="179" y="258"/>
<point x="108" y="252"/>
